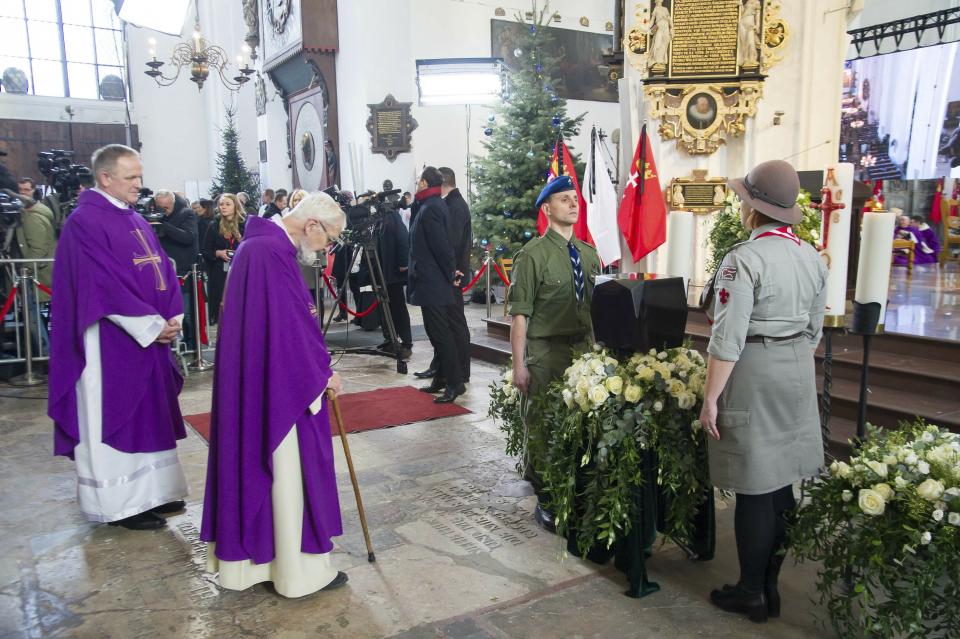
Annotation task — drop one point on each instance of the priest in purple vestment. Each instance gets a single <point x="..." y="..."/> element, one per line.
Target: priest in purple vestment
<point x="271" y="505"/>
<point x="928" y="245"/>
<point x="116" y="308"/>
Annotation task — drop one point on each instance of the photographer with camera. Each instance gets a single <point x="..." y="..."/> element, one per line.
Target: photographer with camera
<point x="178" y="235"/>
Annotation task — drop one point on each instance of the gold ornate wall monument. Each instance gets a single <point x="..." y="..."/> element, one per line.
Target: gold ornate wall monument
<point x="704" y="63"/>
<point x="699" y="193"/>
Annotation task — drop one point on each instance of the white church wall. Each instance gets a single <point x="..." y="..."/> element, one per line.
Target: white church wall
<point x="421" y="30"/>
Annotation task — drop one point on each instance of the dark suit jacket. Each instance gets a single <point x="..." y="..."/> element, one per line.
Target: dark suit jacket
<point x="431" y="274"/>
<point x="394" y="248"/>
<point x="459" y="231"/>
<point x="179" y="236"/>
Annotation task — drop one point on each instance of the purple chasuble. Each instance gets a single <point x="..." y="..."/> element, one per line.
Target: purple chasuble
<point x="272" y="363"/>
<point x="109" y="262"/>
<point x="927" y="238"/>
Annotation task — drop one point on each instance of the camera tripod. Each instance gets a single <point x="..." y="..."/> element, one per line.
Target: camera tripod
<point x="379" y="288"/>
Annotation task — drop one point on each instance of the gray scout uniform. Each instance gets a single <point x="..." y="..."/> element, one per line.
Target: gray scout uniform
<point x="767" y="311"/>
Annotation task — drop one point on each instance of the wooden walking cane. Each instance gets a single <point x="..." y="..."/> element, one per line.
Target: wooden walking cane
<point x="353" y="475"/>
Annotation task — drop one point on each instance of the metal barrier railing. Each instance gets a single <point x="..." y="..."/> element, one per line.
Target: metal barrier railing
<point x="30" y="336"/>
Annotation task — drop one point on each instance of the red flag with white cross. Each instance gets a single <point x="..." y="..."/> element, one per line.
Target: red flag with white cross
<point x="643" y="212"/>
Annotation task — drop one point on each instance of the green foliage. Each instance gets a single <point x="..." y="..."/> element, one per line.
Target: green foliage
<point x="728" y="230"/>
<point x="509" y="178"/>
<point x="886" y="529"/>
<point x="232" y="174"/>
<point x="602" y="417"/>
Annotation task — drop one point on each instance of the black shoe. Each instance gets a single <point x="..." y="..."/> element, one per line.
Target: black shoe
<point x="341" y="317"/>
<point x="545" y="519"/>
<point x="172" y="507"/>
<point x="406" y="352"/>
<point x="427" y="374"/>
<point x="434" y="387"/>
<point x="450" y="394"/>
<point x="383" y="346"/>
<point x="144" y="521"/>
<point x="746" y="602"/>
<point x="340" y="580"/>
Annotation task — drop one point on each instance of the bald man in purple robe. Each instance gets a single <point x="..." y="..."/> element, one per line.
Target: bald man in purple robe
<point x="271" y="507"/>
<point x="113" y="379"/>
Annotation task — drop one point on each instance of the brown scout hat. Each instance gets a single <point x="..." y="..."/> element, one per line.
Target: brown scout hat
<point x="772" y="189"/>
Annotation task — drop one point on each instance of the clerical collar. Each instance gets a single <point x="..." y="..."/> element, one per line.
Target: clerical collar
<point x="112" y="200"/>
<point x="276" y="219"/>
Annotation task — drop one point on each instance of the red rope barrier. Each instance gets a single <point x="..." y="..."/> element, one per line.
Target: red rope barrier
<point x="8" y="303"/>
<point x="45" y="289"/>
<point x="503" y="277"/>
<point x="475" y="279"/>
<point x="346" y="308"/>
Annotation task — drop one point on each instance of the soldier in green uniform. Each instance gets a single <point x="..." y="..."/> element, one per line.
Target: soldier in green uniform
<point x="553" y="279"/>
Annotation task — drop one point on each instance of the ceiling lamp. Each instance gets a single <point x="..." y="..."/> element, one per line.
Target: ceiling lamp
<point x="199" y="57"/>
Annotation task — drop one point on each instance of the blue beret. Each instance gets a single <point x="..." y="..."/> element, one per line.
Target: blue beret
<point x="556" y="185"/>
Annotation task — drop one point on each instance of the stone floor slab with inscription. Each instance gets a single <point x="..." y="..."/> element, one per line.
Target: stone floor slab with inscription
<point x="458" y="553"/>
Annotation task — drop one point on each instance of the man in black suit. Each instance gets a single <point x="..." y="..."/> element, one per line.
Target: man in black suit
<point x="461" y="239"/>
<point x="433" y="282"/>
<point x="180" y="239"/>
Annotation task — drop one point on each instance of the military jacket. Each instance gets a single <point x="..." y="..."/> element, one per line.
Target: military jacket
<point x="543" y="290"/>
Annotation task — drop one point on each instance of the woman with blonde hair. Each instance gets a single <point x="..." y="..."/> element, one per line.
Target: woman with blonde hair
<point x="218" y="247"/>
<point x="295" y="198"/>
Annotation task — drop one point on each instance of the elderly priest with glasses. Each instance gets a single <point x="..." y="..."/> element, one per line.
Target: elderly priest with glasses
<point x="271" y="505"/>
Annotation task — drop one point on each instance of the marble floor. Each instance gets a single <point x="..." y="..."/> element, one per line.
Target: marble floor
<point x="458" y="554"/>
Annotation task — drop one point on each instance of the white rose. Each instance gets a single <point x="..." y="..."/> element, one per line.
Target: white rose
<point x="664" y="372"/>
<point x="843" y="470"/>
<point x="609" y="361"/>
<point x="923" y="467"/>
<point x="926" y="537"/>
<point x="911" y="458"/>
<point x="508" y="376"/>
<point x="938" y="515"/>
<point x="871" y="502"/>
<point x="687" y="400"/>
<point x="676" y="387"/>
<point x="661" y="356"/>
<point x="930" y="489"/>
<point x="653" y="352"/>
<point x="614" y="384"/>
<point x="658" y="406"/>
<point x="927" y="437"/>
<point x="884" y="490"/>
<point x="953" y="492"/>
<point x="900" y="482"/>
<point x="598" y="367"/>
<point x="598" y="394"/>
<point x="846" y="495"/>
<point x="568" y="398"/>
<point x="645" y="374"/>
<point x="878" y="467"/>
<point x="954" y="519"/>
<point x="632" y="393"/>
<point x="890" y="460"/>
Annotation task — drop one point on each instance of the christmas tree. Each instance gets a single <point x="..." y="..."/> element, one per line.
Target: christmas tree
<point x="232" y="174"/>
<point x="521" y="135"/>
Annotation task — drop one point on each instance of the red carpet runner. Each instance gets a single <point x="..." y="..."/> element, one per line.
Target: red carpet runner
<point x="370" y="410"/>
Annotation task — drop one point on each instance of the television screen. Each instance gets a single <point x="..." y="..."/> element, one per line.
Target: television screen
<point x="900" y="117"/>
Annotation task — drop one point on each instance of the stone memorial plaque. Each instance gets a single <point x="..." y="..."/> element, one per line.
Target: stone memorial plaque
<point x="699" y="193"/>
<point x="390" y="125"/>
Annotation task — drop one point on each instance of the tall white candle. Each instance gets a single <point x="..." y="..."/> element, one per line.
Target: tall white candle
<point x="680" y="245"/>
<point x="835" y="238"/>
<point x="873" y="269"/>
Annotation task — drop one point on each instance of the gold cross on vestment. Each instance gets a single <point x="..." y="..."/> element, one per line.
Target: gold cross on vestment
<point x="149" y="258"/>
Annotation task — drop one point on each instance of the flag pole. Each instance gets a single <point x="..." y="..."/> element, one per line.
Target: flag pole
<point x="642" y="167"/>
<point x="592" y="187"/>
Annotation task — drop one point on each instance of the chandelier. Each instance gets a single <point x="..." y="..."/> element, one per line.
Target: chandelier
<point x="199" y="57"/>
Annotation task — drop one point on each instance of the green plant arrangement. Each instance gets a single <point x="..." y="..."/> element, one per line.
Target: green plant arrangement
<point x="604" y="414"/>
<point x="505" y="408"/>
<point x="886" y="527"/>
<point x="728" y="230"/>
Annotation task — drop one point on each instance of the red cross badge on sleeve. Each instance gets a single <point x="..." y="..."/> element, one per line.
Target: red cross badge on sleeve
<point x="724" y="295"/>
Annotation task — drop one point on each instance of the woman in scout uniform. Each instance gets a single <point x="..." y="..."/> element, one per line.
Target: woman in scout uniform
<point x="553" y="278"/>
<point x="760" y="401"/>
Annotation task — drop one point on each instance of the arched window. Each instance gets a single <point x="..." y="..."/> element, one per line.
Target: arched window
<point x="62" y="48"/>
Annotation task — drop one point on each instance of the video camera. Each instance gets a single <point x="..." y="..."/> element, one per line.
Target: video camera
<point x="146" y="206"/>
<point x="11" y="213"/>
<point x="62" y="174"/>
<point x="365" y="218"/>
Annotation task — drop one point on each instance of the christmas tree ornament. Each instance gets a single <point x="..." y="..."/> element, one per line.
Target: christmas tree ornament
<point x="484" y="242"/>
<point x="556" y="121"/>
<point x="533" y="29"/>
<point x="501" y="248"/>
<point x="508" y="214"/>
<point x="517" y="52"/>
<point x="531" y="154"/>
<point x="491" y="118"/>
<point x="527" y="235"/>
<point x="488" y="131"/>
<point x="539" y="68"/>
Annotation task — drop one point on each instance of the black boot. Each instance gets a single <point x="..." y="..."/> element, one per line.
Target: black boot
<point x="770" y="586"/>
<point x="753" y="604"/>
